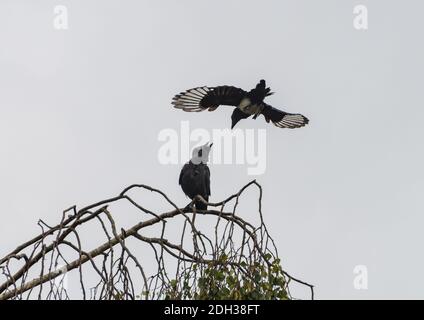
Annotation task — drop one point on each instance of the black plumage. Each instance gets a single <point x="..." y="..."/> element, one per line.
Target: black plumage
<point x="247" y="103"/>
<point x="195" y="176"/>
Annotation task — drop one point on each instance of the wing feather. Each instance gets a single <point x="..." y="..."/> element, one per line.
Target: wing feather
<point x="203" y="98"/>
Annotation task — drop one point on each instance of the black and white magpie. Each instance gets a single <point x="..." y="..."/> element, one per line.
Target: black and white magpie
<point x="246" y="103"/>
<point x="195" y="176"/>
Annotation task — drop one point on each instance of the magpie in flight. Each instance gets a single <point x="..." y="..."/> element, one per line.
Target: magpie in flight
<point x="195" y="176"/>
<point x="247" y="104"/>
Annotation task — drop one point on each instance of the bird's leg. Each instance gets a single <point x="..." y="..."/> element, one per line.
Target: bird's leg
<point x="258" y="111"/>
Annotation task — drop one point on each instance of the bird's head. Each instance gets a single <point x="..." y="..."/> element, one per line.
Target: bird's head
<point x="201" y="153"/>
<point x="234" y="120"/>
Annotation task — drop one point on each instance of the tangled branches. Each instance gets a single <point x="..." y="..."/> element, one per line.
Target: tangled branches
<point x="152" y="259"/>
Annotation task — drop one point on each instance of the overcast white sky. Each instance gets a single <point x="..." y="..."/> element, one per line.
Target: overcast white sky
<point x="81" y="110"/>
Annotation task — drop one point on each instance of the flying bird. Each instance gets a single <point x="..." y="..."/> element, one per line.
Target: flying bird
<point x="247" y="103"/>
<point x="195" y="176"/>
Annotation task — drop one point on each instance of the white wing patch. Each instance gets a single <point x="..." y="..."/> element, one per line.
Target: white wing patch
<point x="190" y="100"/>
<point x="292" y="121"/>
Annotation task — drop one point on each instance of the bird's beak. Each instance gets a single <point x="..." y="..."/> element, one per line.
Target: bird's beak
<point x="210" y="146"/>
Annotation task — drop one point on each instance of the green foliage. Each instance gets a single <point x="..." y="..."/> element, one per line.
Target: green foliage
<point x="223" y="279"/>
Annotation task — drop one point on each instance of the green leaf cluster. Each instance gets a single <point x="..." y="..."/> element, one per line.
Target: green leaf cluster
<point x="225" y="280"/>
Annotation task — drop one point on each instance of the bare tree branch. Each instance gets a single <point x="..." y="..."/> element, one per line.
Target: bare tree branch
<point x="48" y="256"/>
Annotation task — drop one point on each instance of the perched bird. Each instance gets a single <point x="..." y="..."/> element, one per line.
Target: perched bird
<point x="247" y="104"/>
<point x="195" y="176"/>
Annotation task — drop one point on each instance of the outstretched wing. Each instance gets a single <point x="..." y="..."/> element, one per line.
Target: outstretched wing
<point x="202" y="98"/>
<point x="283" y="119"/>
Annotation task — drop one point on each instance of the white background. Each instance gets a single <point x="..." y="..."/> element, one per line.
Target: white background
<point x="81" y="109"/>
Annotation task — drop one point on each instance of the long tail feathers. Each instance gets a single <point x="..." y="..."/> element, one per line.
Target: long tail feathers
<point x="201" y="206"/>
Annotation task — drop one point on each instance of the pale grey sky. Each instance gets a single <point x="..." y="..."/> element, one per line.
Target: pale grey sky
<point x="81" y="110"/>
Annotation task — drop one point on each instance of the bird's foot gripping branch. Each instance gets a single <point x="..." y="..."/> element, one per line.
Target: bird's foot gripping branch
<point x="95" y="253"/>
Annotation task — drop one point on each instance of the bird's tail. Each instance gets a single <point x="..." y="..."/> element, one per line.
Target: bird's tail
<point x="261" y="90"/>
<point x="200" y="205"/>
